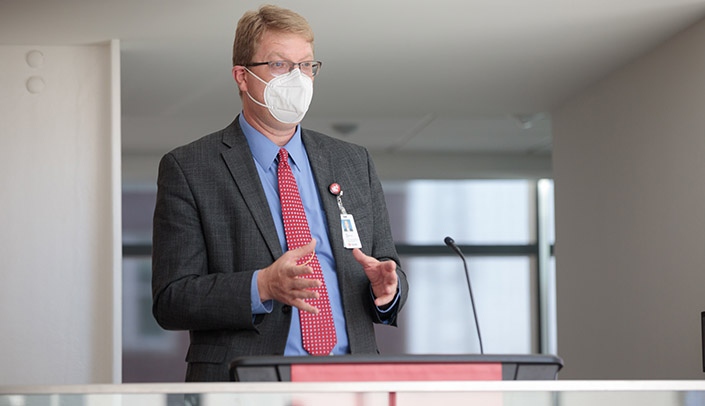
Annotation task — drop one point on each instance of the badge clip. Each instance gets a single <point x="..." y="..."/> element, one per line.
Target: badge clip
<point x="347" y="223"/>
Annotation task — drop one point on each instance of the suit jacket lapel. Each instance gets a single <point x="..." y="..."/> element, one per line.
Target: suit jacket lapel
<point x="322" y="165"/>
<point x="244" y="173"/>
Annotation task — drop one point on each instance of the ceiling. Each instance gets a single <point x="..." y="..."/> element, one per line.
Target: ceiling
<point x="463" y="76"/>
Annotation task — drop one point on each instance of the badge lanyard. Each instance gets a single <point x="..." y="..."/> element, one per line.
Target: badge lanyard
<point x="347" y="223"/>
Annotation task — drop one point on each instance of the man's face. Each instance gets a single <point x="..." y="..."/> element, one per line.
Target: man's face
<point x="274" y="46"/>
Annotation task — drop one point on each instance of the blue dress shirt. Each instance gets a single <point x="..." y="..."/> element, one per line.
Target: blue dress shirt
<point x="265" y="153"/>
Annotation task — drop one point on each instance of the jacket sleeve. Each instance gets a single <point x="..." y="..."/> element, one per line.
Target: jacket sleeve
<point x="383" y="246"/>
<point x="187" y="293"/>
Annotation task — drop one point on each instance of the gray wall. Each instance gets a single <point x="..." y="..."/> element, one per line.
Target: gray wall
<point x="629" y="160"/>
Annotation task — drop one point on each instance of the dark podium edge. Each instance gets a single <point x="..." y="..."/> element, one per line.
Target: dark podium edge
<point x="278" y="368"/>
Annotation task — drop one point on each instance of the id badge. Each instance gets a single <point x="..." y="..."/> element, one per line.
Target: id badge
<point x="350" y="237"/>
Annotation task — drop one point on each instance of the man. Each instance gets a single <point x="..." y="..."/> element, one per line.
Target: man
<point x="225" y="266"/>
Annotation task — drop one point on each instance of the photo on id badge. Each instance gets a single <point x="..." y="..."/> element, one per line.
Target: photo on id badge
<point x="350" y="237"/>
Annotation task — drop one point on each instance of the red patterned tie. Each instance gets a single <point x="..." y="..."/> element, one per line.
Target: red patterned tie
<point x="317" y="330"/>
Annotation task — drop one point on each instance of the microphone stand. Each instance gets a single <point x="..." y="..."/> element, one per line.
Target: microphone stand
<point x="451" y="243"/>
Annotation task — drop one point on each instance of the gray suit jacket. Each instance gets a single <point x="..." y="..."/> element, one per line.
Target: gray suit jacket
<point x="213" y="229"/>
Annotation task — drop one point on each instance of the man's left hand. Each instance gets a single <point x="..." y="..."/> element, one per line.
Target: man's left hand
<point x="382" y="276"/>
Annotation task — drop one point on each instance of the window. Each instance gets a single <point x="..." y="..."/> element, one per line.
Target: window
<point x="149" y="353"/>
<point x="495" y="223"/>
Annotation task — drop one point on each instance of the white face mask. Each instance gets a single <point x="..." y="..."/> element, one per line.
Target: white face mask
<point x="287" y="97"/>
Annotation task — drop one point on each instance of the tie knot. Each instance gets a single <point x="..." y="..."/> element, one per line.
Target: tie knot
<point x="283" y="156"/>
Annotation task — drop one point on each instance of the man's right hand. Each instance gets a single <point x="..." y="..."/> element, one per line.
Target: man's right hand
<point x="283" y="281"/>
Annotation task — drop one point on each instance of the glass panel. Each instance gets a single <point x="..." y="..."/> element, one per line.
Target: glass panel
<point x="603" y="394"/>
<point x="439" y="319"/>
<point x="150" y="353"/>
<point x="288" y="399"/>
<point x="549" y="201"/>
<point x="547" y="275"/>
<point x="137" y="210"/>
<point x="472" y="212"/>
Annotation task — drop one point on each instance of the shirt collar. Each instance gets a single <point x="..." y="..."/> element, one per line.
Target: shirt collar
<point x="265" y="151"/>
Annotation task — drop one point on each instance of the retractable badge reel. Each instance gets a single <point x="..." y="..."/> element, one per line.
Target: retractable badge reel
<point x="347" y="223"/>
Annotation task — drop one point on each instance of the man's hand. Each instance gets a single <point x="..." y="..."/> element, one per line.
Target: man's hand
<point x="284" y="281"/>
<point x="382" y="276"/>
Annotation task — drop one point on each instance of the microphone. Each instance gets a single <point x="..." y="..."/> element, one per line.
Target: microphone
<point x="451" y="243"/>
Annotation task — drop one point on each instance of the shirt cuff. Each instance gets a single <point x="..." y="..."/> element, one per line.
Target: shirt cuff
<point x="257" y="306"/>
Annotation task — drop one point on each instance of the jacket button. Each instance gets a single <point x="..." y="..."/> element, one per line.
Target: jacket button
<point x="286" y="309"/>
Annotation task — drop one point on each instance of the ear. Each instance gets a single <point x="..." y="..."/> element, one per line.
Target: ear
<point x="239" y="76"/>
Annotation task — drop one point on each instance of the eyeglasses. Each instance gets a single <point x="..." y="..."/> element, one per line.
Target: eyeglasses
<point x="277" y="68"/>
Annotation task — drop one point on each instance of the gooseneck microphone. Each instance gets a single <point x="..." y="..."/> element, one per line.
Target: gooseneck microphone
<point x="451" y="243"/>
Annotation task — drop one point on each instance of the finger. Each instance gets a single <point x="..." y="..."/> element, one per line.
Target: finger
<point x="383" y="300"/>
<point x="304" y="251"/>
<point x="303" y="306"/>
<point x="385" y="290"/>
<point x="362" y="258"/>
<point x="300" y="271"/>
<point x="305" y="284"/>
<point x="384" y="294"/>
<point x="301" y="295"/>
<point x="388" y="266"/>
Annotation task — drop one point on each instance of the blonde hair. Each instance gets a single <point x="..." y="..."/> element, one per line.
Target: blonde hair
<point x="254" y="24"/>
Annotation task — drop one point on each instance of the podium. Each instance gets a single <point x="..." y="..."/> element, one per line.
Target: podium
<point x="366" y="368"/>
